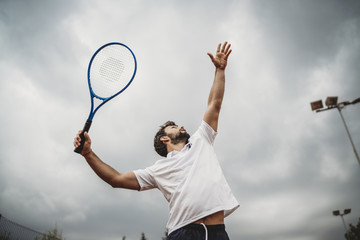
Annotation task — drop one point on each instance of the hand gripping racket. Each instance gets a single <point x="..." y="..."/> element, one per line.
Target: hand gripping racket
<point x="111" y="70"/>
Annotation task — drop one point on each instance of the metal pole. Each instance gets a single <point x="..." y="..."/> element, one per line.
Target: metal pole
<point x="347" y="130"/>
<point x="342" y="217"/>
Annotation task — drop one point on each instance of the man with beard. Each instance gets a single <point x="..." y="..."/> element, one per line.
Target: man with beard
<point x="189" y="176"/>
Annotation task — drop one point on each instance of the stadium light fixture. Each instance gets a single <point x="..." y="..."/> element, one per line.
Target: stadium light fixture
<point x="347" y="211"/>
<point x="316" y="105"/>
<point x="332" y="103"/>
<point x="337" y="213"/>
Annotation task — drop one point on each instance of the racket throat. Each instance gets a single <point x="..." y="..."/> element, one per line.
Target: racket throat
<point x="96" y="103"/>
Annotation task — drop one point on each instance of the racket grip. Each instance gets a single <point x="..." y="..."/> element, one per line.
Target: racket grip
<point x="82" y="137"/>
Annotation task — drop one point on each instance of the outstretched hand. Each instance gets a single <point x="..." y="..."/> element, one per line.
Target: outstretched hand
<point x="222" y="54"/>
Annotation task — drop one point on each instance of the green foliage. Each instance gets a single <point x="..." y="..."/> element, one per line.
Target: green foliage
<point x="353" y="232"/>
<point x="5" y="236"/>
<point x="53" y="234"/>
<point x="143" y="236"/>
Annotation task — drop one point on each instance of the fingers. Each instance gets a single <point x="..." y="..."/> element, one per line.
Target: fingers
<point x="222" y="53"/>
<point x="211" y="56"/>
<point x="228" y="47"/>
<point x="218" y="48"/>
<point x="225" y="48"/>
<point x="87" y="138"/>
<point x="227" y="54"/>
<point x="77" y="139"/>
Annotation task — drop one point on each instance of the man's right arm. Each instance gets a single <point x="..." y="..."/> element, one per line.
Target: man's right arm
<point x="104" y="171"/>
<point x="216" y="95"/>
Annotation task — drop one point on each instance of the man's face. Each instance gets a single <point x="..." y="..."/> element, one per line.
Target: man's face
<point x="177" y="134"/>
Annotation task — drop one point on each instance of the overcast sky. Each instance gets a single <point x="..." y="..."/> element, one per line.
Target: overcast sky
<point x="288" y="167"/>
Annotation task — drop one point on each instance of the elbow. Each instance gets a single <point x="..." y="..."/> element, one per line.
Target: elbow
<point x="115" y="182"/>
<point x="113" y="185"/>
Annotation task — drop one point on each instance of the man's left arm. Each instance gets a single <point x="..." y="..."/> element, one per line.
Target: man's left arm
<point x="216" y="95"/>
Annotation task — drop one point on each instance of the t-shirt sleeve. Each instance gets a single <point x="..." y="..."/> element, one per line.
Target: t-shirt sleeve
<point x="207" y="132"/>
<point x="145" y="178"/>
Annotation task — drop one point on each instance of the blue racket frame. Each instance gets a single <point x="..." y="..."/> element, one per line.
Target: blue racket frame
<point x="94" y="95"/>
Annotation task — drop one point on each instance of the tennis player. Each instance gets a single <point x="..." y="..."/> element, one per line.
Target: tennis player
<point x="189" y="175"/>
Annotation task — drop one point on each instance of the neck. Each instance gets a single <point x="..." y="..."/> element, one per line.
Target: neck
<point x="176" y="147"/>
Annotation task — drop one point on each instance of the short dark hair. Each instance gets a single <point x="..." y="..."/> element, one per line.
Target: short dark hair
<point x="159" y="146"/>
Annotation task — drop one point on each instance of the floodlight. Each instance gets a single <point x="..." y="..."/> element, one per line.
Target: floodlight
<point x="347" y="211"/>
<point x="331" y="101"/>
<point x="316" y="105"/>
<point x="337" y="213"/>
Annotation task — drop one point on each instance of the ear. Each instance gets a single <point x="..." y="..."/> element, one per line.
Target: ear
<point x="165" y="139"/>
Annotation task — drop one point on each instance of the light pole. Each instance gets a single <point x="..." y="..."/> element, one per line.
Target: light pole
<point x="331" y="103"/>
<point x="337" y="213"/>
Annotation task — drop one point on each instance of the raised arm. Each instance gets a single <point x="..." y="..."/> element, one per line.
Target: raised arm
<point x="216" y="95"/>
<point x="104" y="171"/>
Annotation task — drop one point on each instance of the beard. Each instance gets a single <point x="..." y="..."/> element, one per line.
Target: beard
<point x="179" y="138"/>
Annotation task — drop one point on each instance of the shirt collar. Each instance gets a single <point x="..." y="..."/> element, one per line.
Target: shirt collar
<point x="173" y="153"/>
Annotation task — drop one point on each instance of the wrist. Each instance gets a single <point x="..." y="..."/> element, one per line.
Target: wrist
<point x="87" y="153"/>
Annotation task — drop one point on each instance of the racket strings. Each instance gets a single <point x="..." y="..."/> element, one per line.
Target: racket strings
<point x="111" y="70"/>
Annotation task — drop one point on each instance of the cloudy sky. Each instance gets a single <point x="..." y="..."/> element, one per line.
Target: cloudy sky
<point x="288" y="167"/>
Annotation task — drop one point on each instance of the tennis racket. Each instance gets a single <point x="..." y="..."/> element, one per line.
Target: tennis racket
<point x="111" y="70"/>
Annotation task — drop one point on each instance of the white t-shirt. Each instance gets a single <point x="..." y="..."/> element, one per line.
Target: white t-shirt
<point x="191" y="181"/>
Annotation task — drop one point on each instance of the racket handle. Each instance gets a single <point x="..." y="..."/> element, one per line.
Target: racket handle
<point x="85" y="129"/>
